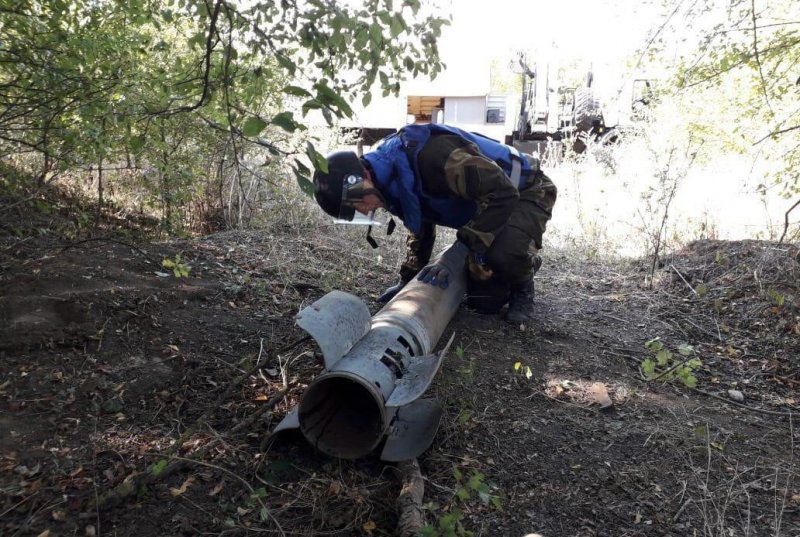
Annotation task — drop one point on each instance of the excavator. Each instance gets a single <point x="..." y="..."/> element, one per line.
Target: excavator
<point x="553" y="118"/>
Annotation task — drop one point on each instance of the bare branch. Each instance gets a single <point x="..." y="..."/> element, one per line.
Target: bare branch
<point x="776" y="133"/>
<point x="758" y="58"/>
<point x="212" y="30"/>
<point x="786" y="221"/>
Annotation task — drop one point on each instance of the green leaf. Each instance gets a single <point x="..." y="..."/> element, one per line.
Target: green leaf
<point x="648" y="367"/>
<point x="302" y="168"/>
<point x="159" y="467"/>
<point x="296" y="91"/>
<point x="326" y="94"/>
<point x="137" y="143"/>
<point x="462" y="493"/>
<point x="366" y="99"/>
<point x="654" y="345"/>
<point x="311" y="104"/>
<point x="375" y="35"/>
<point x="476" y="480"/>
<point x="517" y="366"/>
<point x="457" y="473"/>
<point x="428" y="531"/>
<point x="319" y="161"/>
<point x="285" y="120"/>
<point x="663" y="357"/>
<point x="286" y="63"/>
<point x="253" y="126"/>
<point x="397" y="26"/>
<point x="690" y="381"/>
<point x="303" y="182"/>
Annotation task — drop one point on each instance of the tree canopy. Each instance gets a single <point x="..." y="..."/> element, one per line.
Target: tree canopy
<point x="738" y="73"/>
<point x="179" y="89"/>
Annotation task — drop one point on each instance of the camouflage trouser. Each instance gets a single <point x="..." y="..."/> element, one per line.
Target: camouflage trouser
<point x="511" y="253"/>
<point x="418" y="251"/>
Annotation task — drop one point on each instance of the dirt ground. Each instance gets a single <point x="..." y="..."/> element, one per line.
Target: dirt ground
<point x="151" y="396"/>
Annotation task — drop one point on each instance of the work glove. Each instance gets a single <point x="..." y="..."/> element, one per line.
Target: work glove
<point x="446" y="266"/>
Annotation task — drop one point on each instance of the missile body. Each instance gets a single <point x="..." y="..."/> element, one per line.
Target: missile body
<point x="376" y="370"/>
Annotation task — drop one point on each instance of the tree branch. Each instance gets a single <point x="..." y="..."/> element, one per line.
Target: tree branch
<point x="212" y="30"/>
<point x="758" y="59"/>
<point x="257" y="141"/>
<point x="786" y="221"/>
<point x="776" y="133"/>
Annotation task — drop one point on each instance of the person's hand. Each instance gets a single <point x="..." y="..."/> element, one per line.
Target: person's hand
<point x="440" y="271"/>
<point x="435" y="274"/>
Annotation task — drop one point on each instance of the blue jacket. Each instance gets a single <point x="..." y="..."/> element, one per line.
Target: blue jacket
<point x="395" y="170"/>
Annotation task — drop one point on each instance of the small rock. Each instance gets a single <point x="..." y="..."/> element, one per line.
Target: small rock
<point x="736" y="395"/>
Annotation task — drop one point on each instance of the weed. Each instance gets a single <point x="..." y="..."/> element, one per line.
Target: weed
<point x="179" y="269"/>
<point x="776" y="298"/>
<point x="663" y="364"/>
<point x="523" y="370"/>
<point x="467" y="491"/>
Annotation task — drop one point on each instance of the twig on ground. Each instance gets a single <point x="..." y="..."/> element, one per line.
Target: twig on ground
<point x="409" y="502"/>
<point x="742" y="405"/>
<point x="23" y="500"/>
<point x="106" y="239"/>
<point x="126" y="489"/>
<point x="682" y="278"/>
<point x="234" y="475"/>
<point x="588" y="409"/>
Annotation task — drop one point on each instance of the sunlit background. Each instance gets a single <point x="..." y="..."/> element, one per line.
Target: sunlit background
<point x="612" y="198"/>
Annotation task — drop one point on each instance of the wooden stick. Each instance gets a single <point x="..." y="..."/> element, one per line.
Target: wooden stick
<point x="409" y="502"/>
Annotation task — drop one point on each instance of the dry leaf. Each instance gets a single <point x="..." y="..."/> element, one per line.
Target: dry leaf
<point x="599" y="392"/>
<point x="183" y="487"/>
<point x="368" y="527"/>
<point x="217" y="488"/>
<point x="59" y="515"/>
<point x="45" y="533"/>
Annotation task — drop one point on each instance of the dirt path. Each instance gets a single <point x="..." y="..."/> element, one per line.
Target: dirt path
<point x="112" y="373"/>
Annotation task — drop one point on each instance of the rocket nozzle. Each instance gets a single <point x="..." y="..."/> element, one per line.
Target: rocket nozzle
<point x="342" y="415"/>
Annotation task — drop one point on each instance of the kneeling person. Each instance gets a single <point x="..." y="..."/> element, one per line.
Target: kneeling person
<point x="429" y="175"/>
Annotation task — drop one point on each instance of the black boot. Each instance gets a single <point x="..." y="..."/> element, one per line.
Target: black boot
<point x="536" y="262"/>
<point x="520" y="305"/>
<point x="392" y="291"/>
